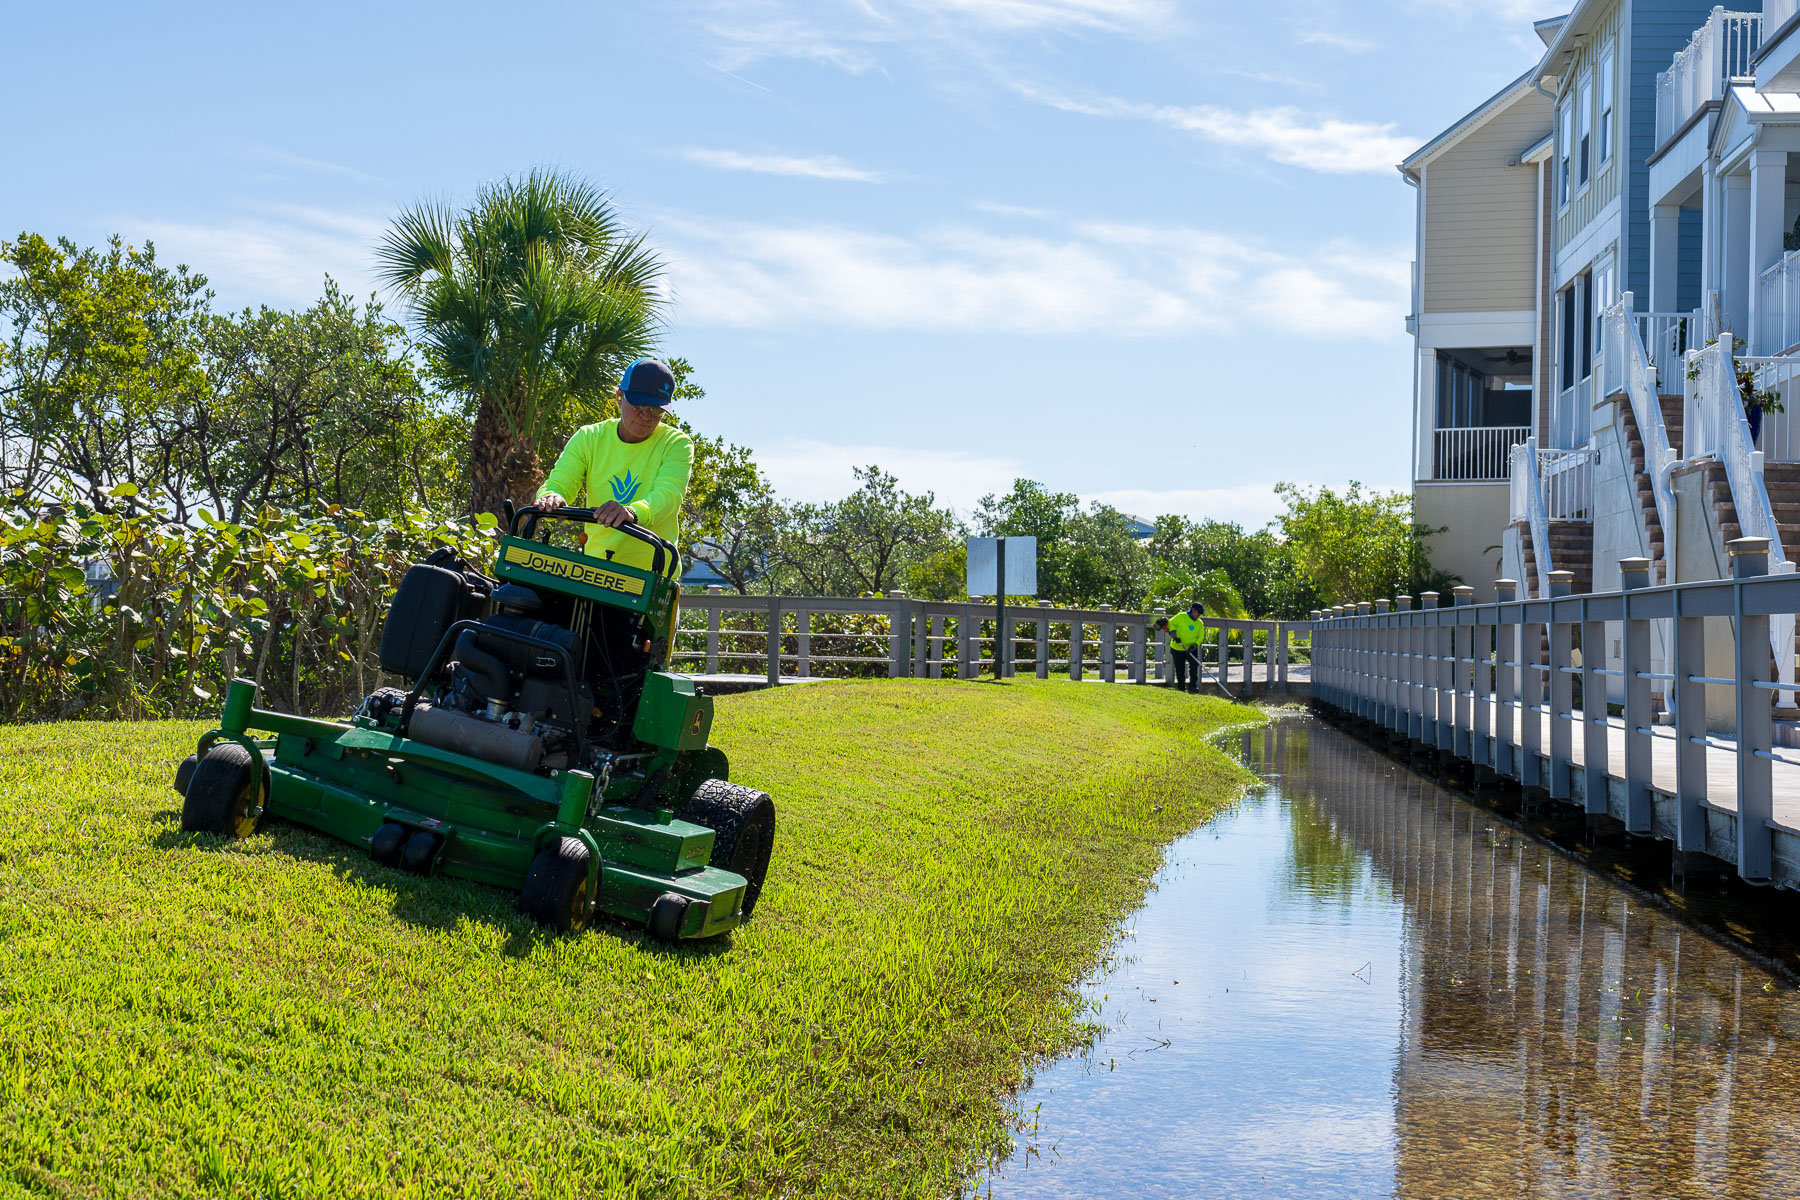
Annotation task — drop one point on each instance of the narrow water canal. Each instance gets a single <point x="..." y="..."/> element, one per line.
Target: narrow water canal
<point x="1357" y="984"/>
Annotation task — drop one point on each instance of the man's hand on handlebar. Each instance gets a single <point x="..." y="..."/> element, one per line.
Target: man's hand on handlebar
<point x="549" y="502"/>
<point x="612" y="514"/>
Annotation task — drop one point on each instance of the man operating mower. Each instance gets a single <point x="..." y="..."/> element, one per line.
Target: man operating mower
<point x="632" y="468"/>
<point x="1185" y="632"/>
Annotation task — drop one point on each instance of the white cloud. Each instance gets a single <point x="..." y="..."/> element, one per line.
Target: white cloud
<point x="823" y="166"/>
<point x="817" y="471"/>
<point x="1012" y="210"/>
<point x="842" y="33"/>
<point x="278" y="255"/>
<point x="279" y="157"/>
<point x="1116" y="280"/>
<point x="1339" y="41"/>
<point x="1286" y="135"/>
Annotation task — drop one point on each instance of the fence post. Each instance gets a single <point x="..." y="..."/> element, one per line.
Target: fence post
<point x="1383" y="668"/>
<point x="1404" y="670"/>
<point x="1755" y="717"/>
<point x="1042" y="662"/>
<point x="1462" y="679"/>
<point x="1533" y="688"/>
<point x="919" y="630"/>
<point x="1689" y="696"/>
<point x="1596" y="734"/>
<point x="1634" y="573"/>
<point x="1282" y="632"/>
<point x="1506" y="688"/>
<point x="1140" y="641"/>
<point x="1224" y="656"/>
<point x="1427" y="651"/>
<point x="712" y="631"/>
<point x="1562" y="690"/>
<point x="1109" y="646"/>
<point x="773" y="643"/>
<point x="803" y="642"/>
<point x="1077" y="648"/>
<point x="968" y="643"/>
<point x="935" y="641"/>
<point x="899" y="634"/>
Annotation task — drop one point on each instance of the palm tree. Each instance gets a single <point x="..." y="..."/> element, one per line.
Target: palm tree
<point x="530" y="304"/>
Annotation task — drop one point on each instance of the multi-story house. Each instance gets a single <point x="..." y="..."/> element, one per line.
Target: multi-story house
<point x="1477" y="320"/>
<point x="1666" y="287"/>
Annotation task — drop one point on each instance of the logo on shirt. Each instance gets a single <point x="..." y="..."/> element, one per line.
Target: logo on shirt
<point x="625" y="487"/>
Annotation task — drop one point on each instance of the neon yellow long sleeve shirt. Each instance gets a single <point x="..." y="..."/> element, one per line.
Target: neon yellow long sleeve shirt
<point x="1184" y="631"/>
<point x="648" y="477"/>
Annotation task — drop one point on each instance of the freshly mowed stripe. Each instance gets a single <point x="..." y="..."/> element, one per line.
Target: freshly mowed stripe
<point x="181" y="1016"/>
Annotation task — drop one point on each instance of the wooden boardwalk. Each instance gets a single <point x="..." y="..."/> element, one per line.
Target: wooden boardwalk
<point x="1721" y="787"/>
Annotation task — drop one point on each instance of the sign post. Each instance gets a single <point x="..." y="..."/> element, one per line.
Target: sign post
<point x="998" y="567"/>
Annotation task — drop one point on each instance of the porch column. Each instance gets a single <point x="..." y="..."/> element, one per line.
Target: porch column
<point x="1423" y="451"/>
<point x="1734" y="253"/>
<point x="1665" y="255"/>
<point x="1768" y="221"/>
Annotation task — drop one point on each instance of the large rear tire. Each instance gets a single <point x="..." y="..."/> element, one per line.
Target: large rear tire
<point x="743" y="823"/>
<point x="221" y="793"/>
<point x="556" y="893"/>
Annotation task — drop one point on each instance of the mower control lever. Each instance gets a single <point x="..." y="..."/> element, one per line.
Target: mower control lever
<point x="528" y="517"/>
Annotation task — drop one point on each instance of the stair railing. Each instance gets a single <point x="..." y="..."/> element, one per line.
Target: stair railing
<point x="1528" y="505"/>
<point x="1626" y="367"/>
<point x="1721" y="430"/>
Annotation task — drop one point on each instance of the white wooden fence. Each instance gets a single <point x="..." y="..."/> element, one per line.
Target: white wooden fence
<point x="725" y="634"/>
<point x="1473" y="682"/>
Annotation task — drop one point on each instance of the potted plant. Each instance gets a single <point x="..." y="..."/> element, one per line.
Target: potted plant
<point x="1756" y="401"/>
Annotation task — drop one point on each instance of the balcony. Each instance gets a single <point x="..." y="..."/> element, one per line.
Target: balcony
<point x="1475" y="454"/>
<point x="1719" y="52"/>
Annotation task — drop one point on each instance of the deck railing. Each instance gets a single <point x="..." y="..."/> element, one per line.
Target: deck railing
<point x="1567" y="477"/>
<point x="1475" y="454"/>
<point x="1527" y="504"/>
<point x="1719" y="51"/>
<point x="722" y="633"/>
<point x="1717" y="427"/>
<point x="1779" y="439"/>
<point x="1472" y="682"/>
<point x="1778" y="306"/>
<point x="1625" y="367"/>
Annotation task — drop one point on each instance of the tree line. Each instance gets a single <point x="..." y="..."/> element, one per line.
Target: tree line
<point x="126" y="391"/>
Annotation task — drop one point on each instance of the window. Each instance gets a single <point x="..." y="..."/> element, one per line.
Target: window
<point x="1565" y="140"/>
<point x="1606" y="103"/>
<point x="1602" y="297"/>
<point x="1584" y="104"/>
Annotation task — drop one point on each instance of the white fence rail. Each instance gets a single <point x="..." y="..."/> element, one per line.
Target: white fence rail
<point x="774" y="639"/>
<point x="1567" y="477"/>
<point x="1778" y="306"/>
<point x="1780" y="436"/>
<point x="1527" y="502"/>
<point x="1477" y="453"/>
<point x="1719" y="428"/>
<point x="1626" y="368"/>
<point x="1473" y="683"/>
<point x="1719" y="52"/>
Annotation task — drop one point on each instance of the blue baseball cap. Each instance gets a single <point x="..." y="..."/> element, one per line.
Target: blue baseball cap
<point x="648" y="382"/>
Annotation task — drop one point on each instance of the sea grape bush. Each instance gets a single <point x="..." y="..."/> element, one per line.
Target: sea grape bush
<point x="129" y="614"/>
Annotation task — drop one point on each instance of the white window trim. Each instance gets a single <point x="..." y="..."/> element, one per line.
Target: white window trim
<point x="1605" y="115"/>
<point x="1565" y="155"/>
<point x="1586" y="80"/>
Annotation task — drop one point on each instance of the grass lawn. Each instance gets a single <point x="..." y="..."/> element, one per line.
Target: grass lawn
<point x="281" y="1017"/>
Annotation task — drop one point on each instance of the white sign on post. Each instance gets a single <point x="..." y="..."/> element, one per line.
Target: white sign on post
<point x="1002" y="567"/>
<point x="1020" y="561"/>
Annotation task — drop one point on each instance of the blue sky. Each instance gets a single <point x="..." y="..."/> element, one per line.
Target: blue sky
<point x="1149" y="251"/>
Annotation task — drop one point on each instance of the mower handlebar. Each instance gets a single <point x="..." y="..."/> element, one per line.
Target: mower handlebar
<point x="527" y="519"/>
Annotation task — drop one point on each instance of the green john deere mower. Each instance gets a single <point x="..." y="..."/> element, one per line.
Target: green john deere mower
<point x="541" y="745"/>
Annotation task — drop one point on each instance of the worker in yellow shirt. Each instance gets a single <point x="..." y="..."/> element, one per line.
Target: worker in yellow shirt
<point x="1185" y="632"/>
<point x="631" y="468"/>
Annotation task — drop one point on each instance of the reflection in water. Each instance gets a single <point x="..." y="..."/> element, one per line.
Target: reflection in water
<point x="1357" y="984"/>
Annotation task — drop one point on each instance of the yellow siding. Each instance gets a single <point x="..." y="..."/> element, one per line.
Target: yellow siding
<point x="1481" y="215"/>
